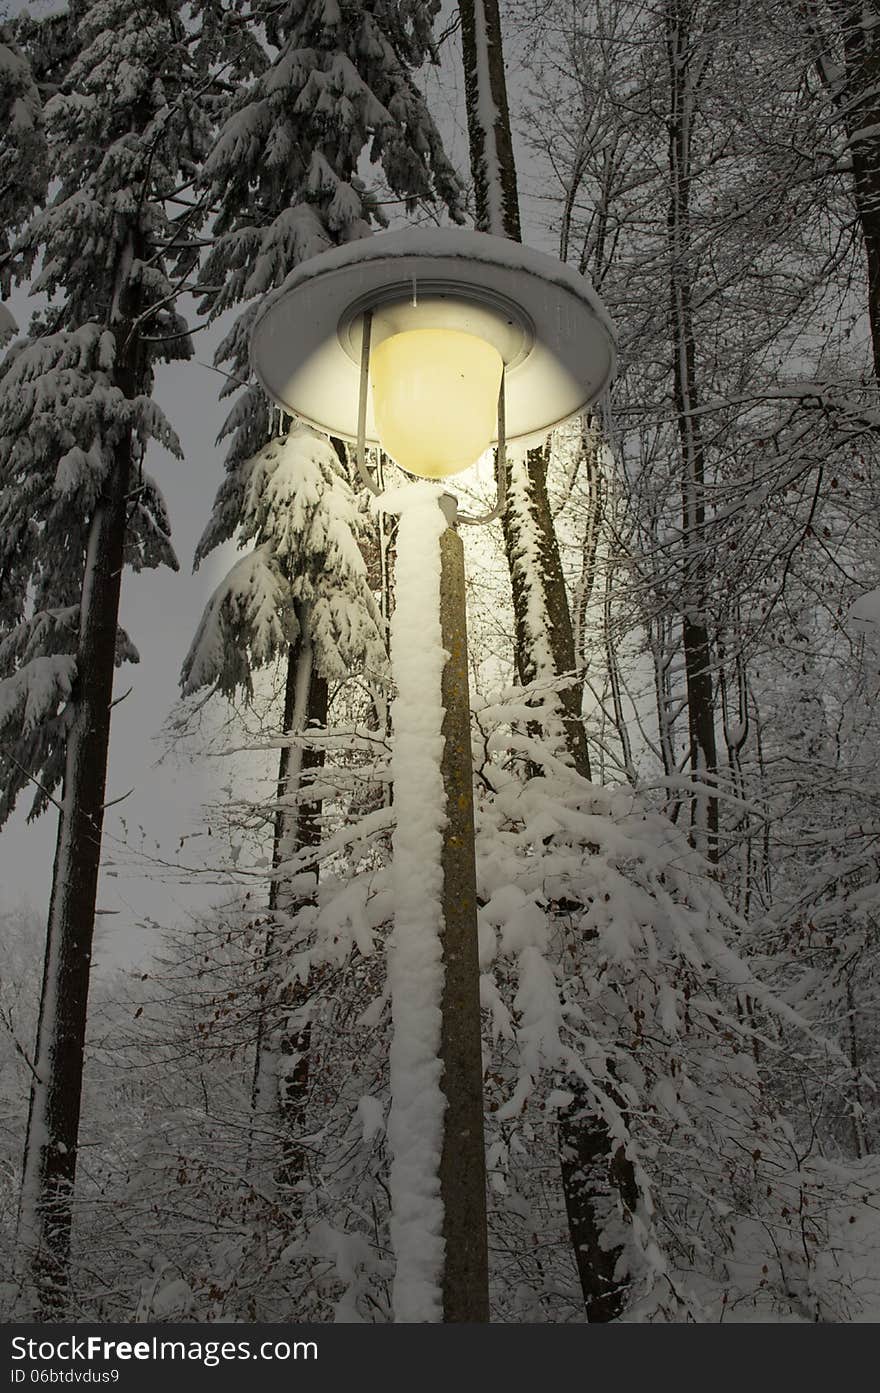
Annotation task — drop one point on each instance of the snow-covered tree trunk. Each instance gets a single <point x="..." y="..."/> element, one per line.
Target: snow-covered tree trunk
<point x="592" y="1181"/>
<point x="53" y="1121"/>
<point x="496" y="197"/>
<point x="544" y="637"/>
<point x="463" y="1158"/>
<point x="544" y="642"/>
<point x="281" y="1068"/>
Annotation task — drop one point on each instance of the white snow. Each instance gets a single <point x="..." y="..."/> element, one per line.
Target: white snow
<point x="445" y="242"/>
<point x="37" y="690"/>
<point x="8" y="326"/>
<point x="415" y="1125"/>
<point x="302" y="513"/>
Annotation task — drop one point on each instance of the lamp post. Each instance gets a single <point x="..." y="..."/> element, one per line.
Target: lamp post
<point x="435" y="345"/>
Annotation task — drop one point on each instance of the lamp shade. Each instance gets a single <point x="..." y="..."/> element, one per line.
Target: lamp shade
<point x="542" y="318"/>
<point x="435" y="399"/>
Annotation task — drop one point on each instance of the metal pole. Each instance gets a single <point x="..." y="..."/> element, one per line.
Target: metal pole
<point x="463" y="1156"/>
<point x="361" y="447"/>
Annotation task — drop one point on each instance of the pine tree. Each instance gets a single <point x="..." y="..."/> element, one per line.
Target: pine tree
<point x="284" y="176"/>
<point x="305" y="573"/>
<point x="76" y="420"/>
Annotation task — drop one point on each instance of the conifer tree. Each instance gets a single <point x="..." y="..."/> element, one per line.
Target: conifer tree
<point x="76" y="421"/>
<point x="302" y="591"/>
<point x="285" y="178"/>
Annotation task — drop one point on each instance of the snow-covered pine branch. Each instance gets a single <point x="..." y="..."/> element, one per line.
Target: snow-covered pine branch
<point x="299" y="511"/>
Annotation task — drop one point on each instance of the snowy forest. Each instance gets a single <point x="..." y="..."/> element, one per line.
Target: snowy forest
<point x="674" y="662"/>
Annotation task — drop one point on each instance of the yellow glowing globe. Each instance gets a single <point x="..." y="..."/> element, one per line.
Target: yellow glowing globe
<point x="435" y="399"/>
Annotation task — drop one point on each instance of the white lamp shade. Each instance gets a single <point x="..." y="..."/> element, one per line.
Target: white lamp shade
<point x="435" y="399"/>
<point x="544" y="319"/>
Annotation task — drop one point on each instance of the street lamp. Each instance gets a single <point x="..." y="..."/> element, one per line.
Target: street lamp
<point x="434" y="345"/>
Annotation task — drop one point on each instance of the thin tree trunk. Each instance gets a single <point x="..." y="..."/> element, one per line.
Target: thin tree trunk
<point x="50" y="1158"/>
<point x="858" y="1112"/>
<point x="260" y="1081"/>
<point x="294" y="1041"/>
<point x="695" y="631"/>
<point x="282" y="1061"/>
<point x="856" y="96"/>
<point x="528" y="533"/>
<point x="527" y="525"/>
<point x="614" y="682"/>
<point x="528" y="512"/>
<point x="590" y="545"/>
<point x="736" y="733"/>
<point x="593" y="1180"/>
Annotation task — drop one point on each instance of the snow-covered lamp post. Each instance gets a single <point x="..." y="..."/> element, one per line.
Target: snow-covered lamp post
<point x="434" y="345"/>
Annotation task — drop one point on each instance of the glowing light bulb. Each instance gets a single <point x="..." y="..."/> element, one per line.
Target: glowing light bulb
<point x="435" y="399"/>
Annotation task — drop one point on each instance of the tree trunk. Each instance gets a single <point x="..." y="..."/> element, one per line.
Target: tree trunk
<point x="593" y="1177"/>
<point x="294" y="1041"/>
<point x="695" y="631"/>
<point x="547" y="648"/>
<point x="50" y="1158"/>
<point x="528" y="508"/>
<point x="857" y="100"/>
<point x="527" y="524"/>
<point x="493" y="167"/>
<point x="281" y="1066"/>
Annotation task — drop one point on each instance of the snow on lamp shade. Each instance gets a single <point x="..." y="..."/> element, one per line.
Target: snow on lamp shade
<point x="435" y="399"/>
<point x="540" y="316"/>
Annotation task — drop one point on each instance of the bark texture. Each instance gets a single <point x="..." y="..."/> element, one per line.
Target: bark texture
<point x="528" y="515"/>
<point x="463" y="1155"/>
<point x="696" y="640"/>
<point x="496" y="197"/>
<point x="857" y="99"/>
<point x="594" y="1180"/>
<point x="51" y="1148"/>
<point x="283" y="1053"/>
